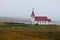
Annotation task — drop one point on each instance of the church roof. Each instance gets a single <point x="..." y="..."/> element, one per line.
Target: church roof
<point x="33" y="12"/>
<point x="41" y="18"/>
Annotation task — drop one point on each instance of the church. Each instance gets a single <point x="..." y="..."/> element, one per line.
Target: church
<point x="39" y="19"/>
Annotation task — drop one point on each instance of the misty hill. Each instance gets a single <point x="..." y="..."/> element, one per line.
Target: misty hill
<point x="21" y="20"/>
<point x="16" y="20"/>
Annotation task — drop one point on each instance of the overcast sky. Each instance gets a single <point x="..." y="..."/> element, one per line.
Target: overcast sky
<point x="23" y="8"/>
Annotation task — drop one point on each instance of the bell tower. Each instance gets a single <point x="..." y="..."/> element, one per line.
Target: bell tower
<point x="33" y="16"/>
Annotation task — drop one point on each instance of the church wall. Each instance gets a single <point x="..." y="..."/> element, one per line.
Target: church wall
<point x="41" y="22"/>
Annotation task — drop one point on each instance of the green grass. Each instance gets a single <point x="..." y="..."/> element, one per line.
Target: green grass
<point x="35" y="27"/>
<point x="28" y="32"/>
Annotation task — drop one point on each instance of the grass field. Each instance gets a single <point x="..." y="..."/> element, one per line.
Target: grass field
<point x="30" y="32"/>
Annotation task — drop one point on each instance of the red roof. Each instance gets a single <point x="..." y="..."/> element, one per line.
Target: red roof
<point x="32" y="13"/>
<point x="42" y="19"/>
<point x="49" y="19"/>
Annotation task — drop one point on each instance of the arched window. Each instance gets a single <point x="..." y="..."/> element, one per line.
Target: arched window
<point x="40" y="21"/>
<point x="45" y="22"/>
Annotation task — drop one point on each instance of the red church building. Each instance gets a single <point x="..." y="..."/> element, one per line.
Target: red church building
<point x="39" y="19"/>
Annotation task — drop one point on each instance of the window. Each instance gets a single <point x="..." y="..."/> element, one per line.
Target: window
<point x="40" y="22"/>
<point x="45" y="21"/>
